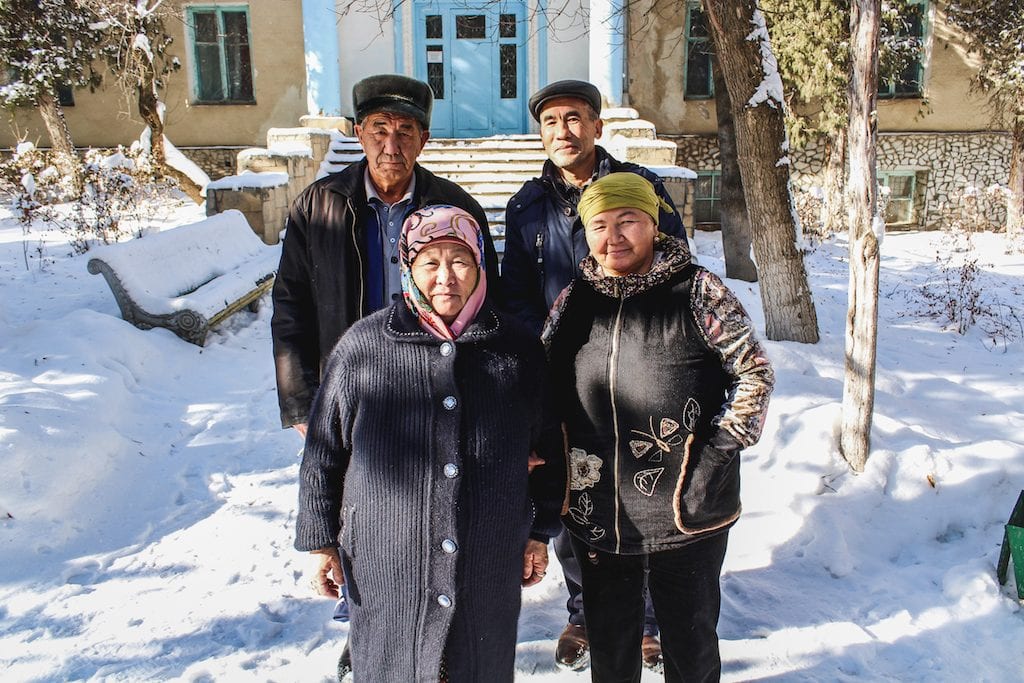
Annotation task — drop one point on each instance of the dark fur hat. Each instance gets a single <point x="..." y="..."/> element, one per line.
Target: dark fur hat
<point x="395" y="94"/>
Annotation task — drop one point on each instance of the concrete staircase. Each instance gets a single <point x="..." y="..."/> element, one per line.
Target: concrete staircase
<point x="491" y="169"/>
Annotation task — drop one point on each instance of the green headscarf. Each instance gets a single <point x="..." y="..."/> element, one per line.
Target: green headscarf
<point x="619" y="191"/>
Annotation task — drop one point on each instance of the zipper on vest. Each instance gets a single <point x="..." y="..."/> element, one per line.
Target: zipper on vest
<point x="613" y="363"/>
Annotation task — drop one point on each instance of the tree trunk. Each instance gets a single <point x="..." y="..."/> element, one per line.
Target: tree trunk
<point x="1015" y="202"/>
<point x="836" y="216"/>
<point x="760" y="140"/>
<point x="732" y="206"/>
<point x="63" y="146"/>
<point x="149" y="110"/>
<point x="862" y="309"/>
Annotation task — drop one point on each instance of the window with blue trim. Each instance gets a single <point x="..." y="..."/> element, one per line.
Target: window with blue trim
<point x="698" y="82"/>
<point x="707" y="198"/>
<point x="221" y="57"/>
<point x="909" y="82"/>
<point x="901" y="188"/>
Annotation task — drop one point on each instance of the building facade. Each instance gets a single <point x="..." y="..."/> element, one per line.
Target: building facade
<point x="248" y="67"/>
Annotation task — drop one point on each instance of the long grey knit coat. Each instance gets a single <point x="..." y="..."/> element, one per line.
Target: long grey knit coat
<point x="416" y="467"/>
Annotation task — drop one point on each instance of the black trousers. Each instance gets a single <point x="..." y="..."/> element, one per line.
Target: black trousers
<point x="571" y="571"/>
<point x="687" y="596"/>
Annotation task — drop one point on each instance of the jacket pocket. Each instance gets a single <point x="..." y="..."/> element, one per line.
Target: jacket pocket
<point x="707" y="495"/>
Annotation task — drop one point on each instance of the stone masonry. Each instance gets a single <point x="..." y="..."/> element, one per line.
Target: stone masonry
<point x="956" y="172"/>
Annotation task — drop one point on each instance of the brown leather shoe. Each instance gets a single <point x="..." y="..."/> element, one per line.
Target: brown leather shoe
<point x="650" y="650"/>
<point x="573" y="651"/>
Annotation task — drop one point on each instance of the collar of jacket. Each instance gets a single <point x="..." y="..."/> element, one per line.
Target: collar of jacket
<point x="671" y="254"/>
<point x="349" y="183"/>
<point x="552" y="177"/>
<point x="402" y="325"/>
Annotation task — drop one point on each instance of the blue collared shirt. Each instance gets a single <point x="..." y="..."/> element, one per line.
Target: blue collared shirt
<point x="384" y="279"/>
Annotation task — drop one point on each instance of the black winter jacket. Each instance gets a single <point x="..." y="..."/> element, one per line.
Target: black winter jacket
<point x="320" y="288"/>
<point x="659" y="381"/>
<point x="544" y="239"/>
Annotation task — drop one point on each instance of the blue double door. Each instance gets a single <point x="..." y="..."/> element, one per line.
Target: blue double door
<point x="473" y="57"/>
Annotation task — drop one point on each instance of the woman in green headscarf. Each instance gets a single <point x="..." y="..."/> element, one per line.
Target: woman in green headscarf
<point x="659" y="382"/>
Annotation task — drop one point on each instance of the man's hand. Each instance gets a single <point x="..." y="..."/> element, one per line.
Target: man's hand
<point x="535" y="562"/>
<point x="301" y="429"/>
<point x="329" y="577"/>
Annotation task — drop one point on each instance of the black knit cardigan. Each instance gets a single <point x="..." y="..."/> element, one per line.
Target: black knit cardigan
<point x="416" y="466"/>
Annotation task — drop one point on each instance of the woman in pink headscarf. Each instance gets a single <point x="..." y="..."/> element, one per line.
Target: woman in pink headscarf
<point x="415" y="487"/>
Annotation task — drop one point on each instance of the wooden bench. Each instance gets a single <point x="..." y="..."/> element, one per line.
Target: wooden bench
<point x="190" y="278"/>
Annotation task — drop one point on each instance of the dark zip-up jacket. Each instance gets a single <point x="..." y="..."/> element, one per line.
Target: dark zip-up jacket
<point x="659" y="381"/>
<point x="320" y="288"/>
<point x="544" y="239"/>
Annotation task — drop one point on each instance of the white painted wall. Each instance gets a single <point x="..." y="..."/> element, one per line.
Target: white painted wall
<point x="367" y="47"/>
<point x="568" y="40"/>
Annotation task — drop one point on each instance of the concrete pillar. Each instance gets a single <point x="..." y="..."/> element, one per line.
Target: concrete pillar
<point x="607" y="48"/>
<point x="323" y="69"/>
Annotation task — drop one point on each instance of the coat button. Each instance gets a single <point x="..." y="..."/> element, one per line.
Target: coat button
<point x="451" y="470"/>
<point x="444" y="600"/>
<point x="449" y="546"/>
<point x="449" y="403"/>
<point x="447" y="348"/>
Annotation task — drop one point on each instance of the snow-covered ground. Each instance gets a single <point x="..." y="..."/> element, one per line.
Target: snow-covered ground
<point x="148" y="494"/>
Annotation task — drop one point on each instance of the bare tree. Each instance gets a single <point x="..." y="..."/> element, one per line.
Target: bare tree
<point x="135" y="47"/>
<point x="862" y="309"/>
<point x="755" y="89"/>
<point x="46" y="45"/>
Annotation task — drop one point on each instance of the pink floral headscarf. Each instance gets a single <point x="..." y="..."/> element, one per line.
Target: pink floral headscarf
<point x="429" y="225"/>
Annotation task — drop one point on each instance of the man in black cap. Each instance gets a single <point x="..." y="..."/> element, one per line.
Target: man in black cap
<point x="339" y="261"/>
<point x="544" y="244"/>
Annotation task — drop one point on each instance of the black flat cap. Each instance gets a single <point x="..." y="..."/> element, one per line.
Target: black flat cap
<point x="581" y="90"/>
<point x="394" y="94"/>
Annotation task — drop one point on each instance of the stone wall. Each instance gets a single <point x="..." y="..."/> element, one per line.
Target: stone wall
<point x="216" y="162"/>
<point x="265" y="203"/>
<point x="954" y="171"/>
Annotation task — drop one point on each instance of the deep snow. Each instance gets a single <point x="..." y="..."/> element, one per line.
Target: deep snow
<point x="148" y="493"/>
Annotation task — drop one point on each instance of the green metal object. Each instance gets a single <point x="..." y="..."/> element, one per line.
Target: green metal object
<point x="1013" y="545"/>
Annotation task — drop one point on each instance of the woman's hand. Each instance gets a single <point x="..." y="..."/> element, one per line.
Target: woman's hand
<point x="535" y="562"/>
<point x="534" y="461"/>
<point x="329" y="577"/>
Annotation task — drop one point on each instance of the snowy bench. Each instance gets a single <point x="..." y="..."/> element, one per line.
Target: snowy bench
<point x="189" y="278"/>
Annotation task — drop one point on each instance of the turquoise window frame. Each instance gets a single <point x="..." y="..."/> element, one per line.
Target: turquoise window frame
<point x="705" y="90"/>
<point x="910" y="83"/>
<point x="905" y="204"/>
<point x="712" y="201"/>
<point x="201" y="81"/>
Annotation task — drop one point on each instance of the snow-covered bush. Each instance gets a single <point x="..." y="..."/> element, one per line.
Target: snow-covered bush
<point x="115" y="189"/>
<point x="963" y="298"/>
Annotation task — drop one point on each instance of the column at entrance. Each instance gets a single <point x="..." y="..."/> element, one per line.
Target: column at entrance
<point x="607" y="48"/>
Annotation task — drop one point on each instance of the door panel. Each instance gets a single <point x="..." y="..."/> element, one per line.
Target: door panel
<point x="474" y="60"/>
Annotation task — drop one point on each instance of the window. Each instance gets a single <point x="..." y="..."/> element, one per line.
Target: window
<point x="471" y="26"/>
<point x="65" y="95"/>
<point x="697" y="75"/>
<point x="909" y="82"/>
<point x="508" y="53"/>
<point x="707" y="197"/>
<point x="900" y="192"/>
<point x="220" y="50"/>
